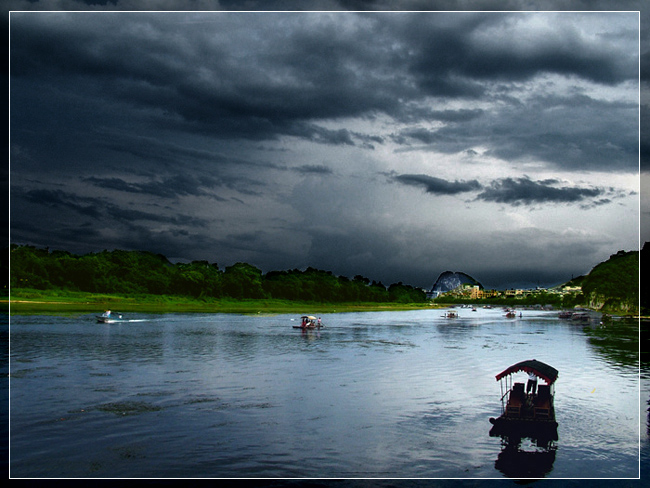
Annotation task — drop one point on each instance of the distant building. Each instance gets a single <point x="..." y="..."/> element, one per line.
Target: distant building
<point x="572" y="289"/>
<point x="475" y="292"/>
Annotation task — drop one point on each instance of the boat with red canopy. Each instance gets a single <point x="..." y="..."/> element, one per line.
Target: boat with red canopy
<point x="527" y="410"/>
<point x="309" y="322"/>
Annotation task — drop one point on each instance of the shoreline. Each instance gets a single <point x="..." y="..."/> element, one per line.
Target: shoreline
<point x="41" y="302"/>
<point x="23" y="304"/>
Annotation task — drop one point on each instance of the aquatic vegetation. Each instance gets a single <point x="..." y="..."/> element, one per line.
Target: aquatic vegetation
<point x="128" y="408"/>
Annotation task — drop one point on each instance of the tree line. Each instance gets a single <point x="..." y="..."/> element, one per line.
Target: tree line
<point x="143" y="272"/>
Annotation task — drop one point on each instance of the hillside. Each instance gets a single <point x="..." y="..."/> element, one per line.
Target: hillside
<point x="613" y="285"/>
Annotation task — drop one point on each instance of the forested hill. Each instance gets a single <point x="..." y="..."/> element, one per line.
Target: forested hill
<point x="133" y="272"/>
<point x="613" y="284"/>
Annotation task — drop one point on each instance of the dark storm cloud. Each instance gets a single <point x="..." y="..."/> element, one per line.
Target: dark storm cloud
<point x="451" y="5"/>
<point x="312" y="132"/>
<point x="512" y="191"/>
<point x="131" y="215"/>
<point x="312" y="71"/>
<point x="97" y="208"/>
<point x="644" y="145"/>
<point x="60" y="199"/>
<point x="590" y="134"/>
<point x="419" y="134"/>
<point x="171" y="110"/>
<point x="170" y="187"/>
<point x="313" y="169"/>
<point x="524" y="191"/>
<point x="201" y="84"/>
<point x="437" y="186"/>
<point x="464" y="51"/>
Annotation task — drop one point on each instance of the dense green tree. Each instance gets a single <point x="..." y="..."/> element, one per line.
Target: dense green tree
<point x="135" y="272"/>
<point x="198" y="278"/>
<point x="4" y="270"/>
<point x="242" y="280"/>
<point x="400" y="293"/>
<point x="28" y="268"/>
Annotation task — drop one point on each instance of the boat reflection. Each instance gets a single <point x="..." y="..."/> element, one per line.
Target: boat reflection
<point x="517" y="461"/>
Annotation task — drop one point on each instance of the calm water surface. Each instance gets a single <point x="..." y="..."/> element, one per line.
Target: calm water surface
<point x="371" y="395"/>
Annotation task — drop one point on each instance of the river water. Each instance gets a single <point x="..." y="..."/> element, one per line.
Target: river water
<point x="370" y="395"/>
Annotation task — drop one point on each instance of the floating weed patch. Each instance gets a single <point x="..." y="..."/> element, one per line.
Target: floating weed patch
<point x="202" y="400"/>
<point x="130" y="452"/>
<point x="128" y="408"/>
<point x="256" y="405"/>
<point x="105" y="389"/>
<point x="20" y="374"/>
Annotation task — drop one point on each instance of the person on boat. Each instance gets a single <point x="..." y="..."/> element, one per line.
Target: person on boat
<point x="107" y="313"/>
<point x="319" y="322"/>
<point x="532" y="383"/>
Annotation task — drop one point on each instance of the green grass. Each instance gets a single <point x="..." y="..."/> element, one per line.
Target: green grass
<point x="29" y="301"/>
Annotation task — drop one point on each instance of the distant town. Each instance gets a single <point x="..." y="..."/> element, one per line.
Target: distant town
<point x="475" y="292"/>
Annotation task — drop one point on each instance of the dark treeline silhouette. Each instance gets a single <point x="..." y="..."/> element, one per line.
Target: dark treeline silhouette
<point x="134" y="272"/>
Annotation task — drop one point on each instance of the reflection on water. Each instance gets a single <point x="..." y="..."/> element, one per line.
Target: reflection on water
<point x="371" y="395"/>
<point x="519" y="461"/>
<point x="616" y="340"/>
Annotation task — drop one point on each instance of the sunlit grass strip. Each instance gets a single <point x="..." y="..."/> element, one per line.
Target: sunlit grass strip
<point x="29" y="301"/>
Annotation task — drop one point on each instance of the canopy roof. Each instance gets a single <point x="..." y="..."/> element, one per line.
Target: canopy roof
<point x="538" y="368"/>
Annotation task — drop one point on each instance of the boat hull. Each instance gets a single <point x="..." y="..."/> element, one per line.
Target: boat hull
<point x="109" y="320"/>
<point x="545" y="429"/>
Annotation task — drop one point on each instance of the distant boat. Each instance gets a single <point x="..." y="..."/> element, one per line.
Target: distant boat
<point x="566" y="314"/>
<point x="309" y="322"/>
<point x="581" y="317"/>
<point x="109" y="317"/>
<point x="451" y="314"/>
<point x="511" y="314"/>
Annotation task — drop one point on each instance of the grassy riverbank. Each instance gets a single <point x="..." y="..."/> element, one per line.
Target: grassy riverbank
<point x="28" y="301"/>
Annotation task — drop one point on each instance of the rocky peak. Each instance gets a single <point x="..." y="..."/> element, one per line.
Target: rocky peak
<point x="450" y="280"/>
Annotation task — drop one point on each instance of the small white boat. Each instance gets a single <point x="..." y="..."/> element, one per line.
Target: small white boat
<point x="109" y="317"/>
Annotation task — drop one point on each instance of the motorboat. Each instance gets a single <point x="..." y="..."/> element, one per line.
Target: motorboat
<point x="109" y="317"/>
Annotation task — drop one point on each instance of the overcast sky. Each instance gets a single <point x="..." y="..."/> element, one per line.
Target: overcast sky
<point x="393" y="145"/>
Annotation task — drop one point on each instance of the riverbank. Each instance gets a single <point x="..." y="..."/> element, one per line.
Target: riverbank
<point x="28" y="301"/>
